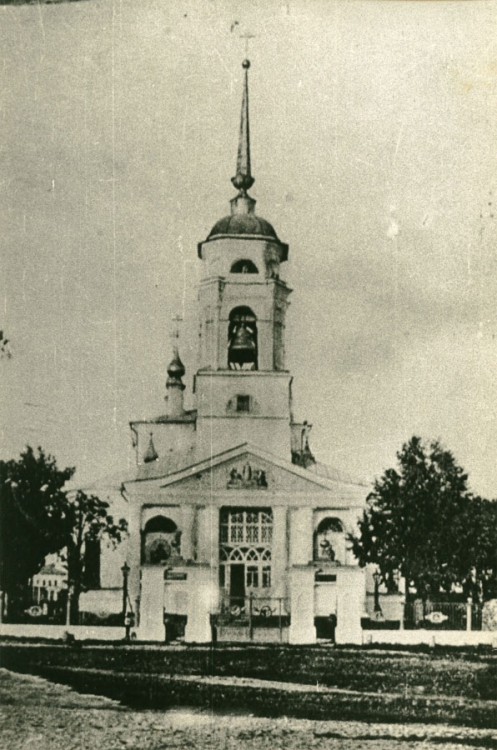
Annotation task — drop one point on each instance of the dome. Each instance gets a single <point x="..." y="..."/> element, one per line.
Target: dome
<point x="176" y="368"/>
<point x="243" y="224"/>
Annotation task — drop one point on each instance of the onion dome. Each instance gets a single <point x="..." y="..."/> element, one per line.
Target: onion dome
<point x="175" y="371"/>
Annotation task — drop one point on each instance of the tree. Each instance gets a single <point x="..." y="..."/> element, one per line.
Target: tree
<point x="38" y="517"/>
<point x="417" y="519"/>
<point x="89" y="526"/>
<point x="33" y="516"/>
<point x="478" y="531"/>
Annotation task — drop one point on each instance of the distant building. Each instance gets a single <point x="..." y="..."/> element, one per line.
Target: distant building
<point x="48" y="584"/>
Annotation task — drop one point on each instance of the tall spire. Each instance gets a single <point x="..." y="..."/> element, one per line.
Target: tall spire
<point x="243" y="179"/>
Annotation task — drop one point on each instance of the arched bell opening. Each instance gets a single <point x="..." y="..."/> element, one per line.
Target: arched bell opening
<point x="161" y="541"/>
<point x="329" y="541"/>
<point x="242" y="339"/>
<point x="244" y="266"/>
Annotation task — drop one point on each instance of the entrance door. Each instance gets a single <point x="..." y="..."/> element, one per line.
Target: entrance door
<point x="237" y="584"/>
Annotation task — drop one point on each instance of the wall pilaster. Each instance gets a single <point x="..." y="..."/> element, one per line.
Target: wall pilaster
<point x="187" y="532"/>
<point x="279" y="552"/>
<point x="301" y="536"/>
<point x="133" y="557"/>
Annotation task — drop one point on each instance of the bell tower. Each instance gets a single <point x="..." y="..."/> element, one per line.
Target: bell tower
<point x="242" y="386"/>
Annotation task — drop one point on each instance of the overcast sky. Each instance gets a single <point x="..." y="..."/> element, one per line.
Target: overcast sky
<point x="374" y="132"/>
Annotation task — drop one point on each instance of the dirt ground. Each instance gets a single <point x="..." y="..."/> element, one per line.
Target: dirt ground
<point x="35" y="713"/>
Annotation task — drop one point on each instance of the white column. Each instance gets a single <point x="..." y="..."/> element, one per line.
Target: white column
<point x="152" y="604"/>
<point x="301" y="536"/>
<point x="220" y="350"/>
<point x="469" y="613"/>
<point x="279" y="553"/>
<point x="208" y="536"/>
<point x="133" y="555"/>
<point x="302" y="628"/>
<point x="187" y="531"/>
<point x="201" y="602"/>
<point x="351" y="594"/>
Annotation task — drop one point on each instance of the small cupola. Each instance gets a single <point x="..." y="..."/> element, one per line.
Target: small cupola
<point x="175" y="386"/>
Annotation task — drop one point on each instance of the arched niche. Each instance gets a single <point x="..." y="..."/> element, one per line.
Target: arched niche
<point x="244" y="266"/>
<point x="161" y="541"/>
<point x="242" y="339"/>
<point x="329" y="540"/>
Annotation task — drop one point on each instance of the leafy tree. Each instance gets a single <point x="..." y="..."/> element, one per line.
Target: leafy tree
<point x="33" y="516"/>
<point x="39" y="517"/>
<point x="478" y="548"/>
<point x="417" y="519"/>
<point x="90" y="525"/>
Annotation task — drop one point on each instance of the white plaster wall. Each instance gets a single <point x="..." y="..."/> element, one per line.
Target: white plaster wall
<point x="219" y="429"/>
<point x="392" y="605"/>
<point x="430" y="637"/>
<point x="177" y="597"/>
<point x="173" y="512"/>
<point x="217" y="435"/>
<point x="351" y="593"/>
<point x="219" y="255"/>
<point x="57" y="632"/>
<point x="101" y="600"/>
<point x="301" y="537"/>
<point x="111" y="561"/>
<point x="171" y="441"/>
<point x="270" y="390"/>
<point x="325" y="599"/>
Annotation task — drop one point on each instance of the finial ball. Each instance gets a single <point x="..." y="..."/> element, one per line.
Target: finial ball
<point x="246" y="64"/>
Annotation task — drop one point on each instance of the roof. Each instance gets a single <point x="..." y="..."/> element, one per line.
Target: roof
<point x="336" y="475"/>
<point x="51" y="570"/>
<point x="316" y="476"/>
<point x="243" y="224"/>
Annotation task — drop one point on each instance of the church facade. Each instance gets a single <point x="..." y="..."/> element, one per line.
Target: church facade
<point x="235" y="530"/>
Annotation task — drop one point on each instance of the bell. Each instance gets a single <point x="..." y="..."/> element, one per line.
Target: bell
<point x="242" y="346"/>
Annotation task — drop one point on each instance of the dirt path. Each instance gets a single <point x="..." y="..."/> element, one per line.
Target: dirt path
<point x="35" y="713"/>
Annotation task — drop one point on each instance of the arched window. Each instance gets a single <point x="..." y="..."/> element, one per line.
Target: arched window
<point x="245" y="550"/>
<point x="329" y="540"/>
<point x="242" y="339"/>
<point x="161" y="541"/>
<point x="244" y="266"/>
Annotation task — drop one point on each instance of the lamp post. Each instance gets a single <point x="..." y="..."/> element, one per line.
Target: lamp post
<point x="125" y="571"/>
<point x="377" y="581"/>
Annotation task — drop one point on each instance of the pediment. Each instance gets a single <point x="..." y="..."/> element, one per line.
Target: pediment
<point x="245" y="470"/>
<point x="246" y="473"/>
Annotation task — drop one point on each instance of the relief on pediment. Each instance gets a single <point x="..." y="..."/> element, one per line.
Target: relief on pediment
<point x="246" y="477"/>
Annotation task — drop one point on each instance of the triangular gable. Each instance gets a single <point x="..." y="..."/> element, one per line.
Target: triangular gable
<point x="246" y="468"/>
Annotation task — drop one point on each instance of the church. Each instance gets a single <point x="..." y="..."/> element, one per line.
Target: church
<point x="236" y="532"/>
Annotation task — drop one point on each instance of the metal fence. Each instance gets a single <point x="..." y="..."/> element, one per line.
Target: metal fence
<point x="442" y="615"/>
<point x="254" y="612"/>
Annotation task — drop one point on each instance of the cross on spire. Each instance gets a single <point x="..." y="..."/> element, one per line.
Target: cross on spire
<point x="247" y="36"/>
<point x="176" y="320"/>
